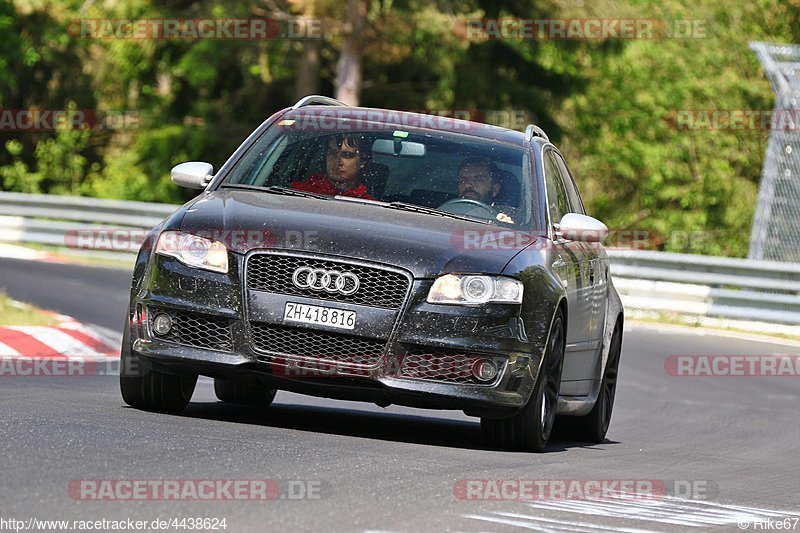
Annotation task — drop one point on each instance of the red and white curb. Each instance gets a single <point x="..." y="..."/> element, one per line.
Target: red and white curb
<point x="14" y="251"/>
<point x="69" y="349"/>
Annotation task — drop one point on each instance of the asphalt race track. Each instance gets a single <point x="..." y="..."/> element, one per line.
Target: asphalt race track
<point x="733" y="441"/>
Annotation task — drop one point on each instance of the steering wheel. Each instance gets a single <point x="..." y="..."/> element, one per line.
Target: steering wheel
<point x="468" y="206"/>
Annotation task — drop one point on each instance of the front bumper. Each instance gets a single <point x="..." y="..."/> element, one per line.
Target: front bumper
<point x="493" y="332"/>
<point x="476" y="400"/>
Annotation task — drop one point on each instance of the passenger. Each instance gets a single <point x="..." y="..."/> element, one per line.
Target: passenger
<point x="478" y="179"/>
<point x="345" y="159"/>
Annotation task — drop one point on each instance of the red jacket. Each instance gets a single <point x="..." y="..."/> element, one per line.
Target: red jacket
<point x="319" y="183"/>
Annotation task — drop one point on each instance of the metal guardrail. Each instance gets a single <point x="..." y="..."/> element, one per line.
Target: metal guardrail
<point x="655" y="282"/>
<point x="78" y="222"/>
<point x="703" y="286"/>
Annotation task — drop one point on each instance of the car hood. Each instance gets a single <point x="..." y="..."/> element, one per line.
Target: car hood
<point x="426" y="245"/>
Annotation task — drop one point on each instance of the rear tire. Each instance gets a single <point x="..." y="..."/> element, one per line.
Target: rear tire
<point x="230" y="391"/>
<point x="530" y="429"/>
<point x="594" y="426"/>
<point x="148" y="389"/>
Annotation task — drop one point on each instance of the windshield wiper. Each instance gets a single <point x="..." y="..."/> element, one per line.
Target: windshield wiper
<point x="277" y="189"/>
<point x="431" y="211"/>
<point x="288" y="191"/>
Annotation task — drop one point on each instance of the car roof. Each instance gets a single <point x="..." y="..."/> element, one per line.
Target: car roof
<point x="409" y="119"/>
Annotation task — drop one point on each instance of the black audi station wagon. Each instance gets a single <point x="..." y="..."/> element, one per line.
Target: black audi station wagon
<point x="388" y="257"/>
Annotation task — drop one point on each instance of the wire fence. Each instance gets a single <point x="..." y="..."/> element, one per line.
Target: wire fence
<point x="775" y="234"/>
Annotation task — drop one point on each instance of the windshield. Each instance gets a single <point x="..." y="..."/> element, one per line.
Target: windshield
<point x="448" y="172"/>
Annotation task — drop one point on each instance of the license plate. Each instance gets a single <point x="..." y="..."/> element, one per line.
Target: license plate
<point x="323" y="316"/>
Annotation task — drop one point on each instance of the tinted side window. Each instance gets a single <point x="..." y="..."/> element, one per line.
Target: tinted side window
<point x="569" y="183"/>
<point x="557" y="201"/>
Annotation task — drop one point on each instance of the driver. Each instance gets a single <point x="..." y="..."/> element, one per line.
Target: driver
<point x="478" y="180"/>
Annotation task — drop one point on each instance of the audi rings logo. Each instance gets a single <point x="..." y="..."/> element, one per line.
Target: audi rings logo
<point x="319" y="279"/>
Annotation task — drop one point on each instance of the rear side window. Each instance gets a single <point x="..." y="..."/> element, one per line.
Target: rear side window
<point x="557" y="202"/>
<point x="569" y="184"/>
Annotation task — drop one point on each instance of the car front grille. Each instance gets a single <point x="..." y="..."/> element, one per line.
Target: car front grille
<point x="316" y="345"/>
<point x="442" y="365"/>
<point x="378" y="287"/>
<point x="194" y="329"/>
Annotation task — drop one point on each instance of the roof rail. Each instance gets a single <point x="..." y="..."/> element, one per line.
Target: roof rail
<point x="535" y="131"/>
<point x="316" y="99"/>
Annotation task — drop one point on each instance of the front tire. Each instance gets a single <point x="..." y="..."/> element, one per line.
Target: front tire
<point x="530" y="429"/>
<point x="149" y="389"/>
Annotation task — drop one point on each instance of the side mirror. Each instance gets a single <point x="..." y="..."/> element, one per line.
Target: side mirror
<point x="577" y="227"/>
<point x="192" y="175"/>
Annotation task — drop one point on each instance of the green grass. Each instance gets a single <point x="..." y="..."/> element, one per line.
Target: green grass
<point x="14" y="313"/>
<point x="676" y="320"/>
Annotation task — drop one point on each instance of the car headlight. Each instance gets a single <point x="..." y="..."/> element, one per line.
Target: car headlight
<point x="474" y="290"/>
<point x="194" y="250"/>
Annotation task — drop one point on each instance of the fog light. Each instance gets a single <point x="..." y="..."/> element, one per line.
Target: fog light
<point x="162" y="323"/>
<point x="484" y="370"/>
